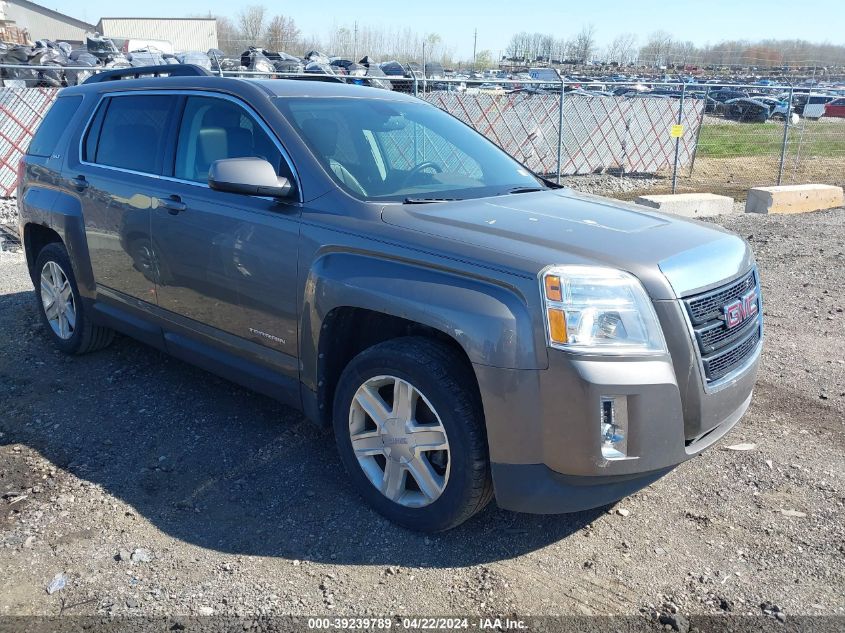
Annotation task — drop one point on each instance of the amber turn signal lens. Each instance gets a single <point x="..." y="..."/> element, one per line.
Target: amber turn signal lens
<point x="557" y="325"/>
<point x="553" y="292"/>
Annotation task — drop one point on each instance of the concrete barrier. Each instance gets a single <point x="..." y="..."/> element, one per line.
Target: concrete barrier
<point x="793" y="199"/>
<point x="689" y="205"/>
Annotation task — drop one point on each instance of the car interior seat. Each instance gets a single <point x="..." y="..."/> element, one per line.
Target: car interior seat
<point x="321" y="135"/>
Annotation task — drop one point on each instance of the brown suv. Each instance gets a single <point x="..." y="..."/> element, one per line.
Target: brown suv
<point x="469" y="329"/>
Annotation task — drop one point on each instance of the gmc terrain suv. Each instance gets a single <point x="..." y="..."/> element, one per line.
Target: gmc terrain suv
<point x="468" y="329"/>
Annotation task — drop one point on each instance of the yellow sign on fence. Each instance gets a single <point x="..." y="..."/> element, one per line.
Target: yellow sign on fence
<point x="677" y="131"/>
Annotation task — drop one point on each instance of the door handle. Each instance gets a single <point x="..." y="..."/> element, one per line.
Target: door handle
<point x="80" y="183"/>
<point x="173" y="204"/>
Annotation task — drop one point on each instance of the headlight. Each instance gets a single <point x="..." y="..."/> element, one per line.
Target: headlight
<point x="593" y="310"/>
<point x="263" y="66"/>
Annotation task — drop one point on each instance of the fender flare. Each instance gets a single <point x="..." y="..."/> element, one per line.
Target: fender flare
<point x="45" y="206"/>
<point x="491" y="321"/>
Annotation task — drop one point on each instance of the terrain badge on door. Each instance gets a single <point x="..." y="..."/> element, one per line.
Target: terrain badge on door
<point x="275" y="339"/>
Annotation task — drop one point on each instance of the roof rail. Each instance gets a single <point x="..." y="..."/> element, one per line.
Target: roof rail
<point x="165" y="70"/>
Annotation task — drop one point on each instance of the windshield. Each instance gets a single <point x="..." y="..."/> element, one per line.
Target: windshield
<point x="412" y="152"/>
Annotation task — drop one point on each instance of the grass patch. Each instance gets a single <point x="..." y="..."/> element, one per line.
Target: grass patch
<point x="766" y="139"/>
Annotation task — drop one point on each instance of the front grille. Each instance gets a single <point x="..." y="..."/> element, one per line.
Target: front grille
<point x="715" y="335"/>
<point x="723" y="363"/>
<point x="723" y="349"/>
<point x="709" y="305"/>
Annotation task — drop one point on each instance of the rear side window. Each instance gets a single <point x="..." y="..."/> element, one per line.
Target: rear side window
<point x="130" y="132"/>
<point x="57" y="121"/>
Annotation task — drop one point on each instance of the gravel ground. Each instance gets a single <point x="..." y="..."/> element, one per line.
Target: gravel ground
<point x="615" y="186"/>
<point x="8" y="211"/>
<point x="154" y="488"/>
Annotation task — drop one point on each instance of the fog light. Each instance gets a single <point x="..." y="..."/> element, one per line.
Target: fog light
<point x="614" y="427"/>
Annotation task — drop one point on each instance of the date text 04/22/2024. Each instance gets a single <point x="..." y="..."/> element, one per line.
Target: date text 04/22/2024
<point x="419" y="624"/>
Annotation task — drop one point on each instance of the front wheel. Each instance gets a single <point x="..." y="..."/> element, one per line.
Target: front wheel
<point x="410" y="432"/>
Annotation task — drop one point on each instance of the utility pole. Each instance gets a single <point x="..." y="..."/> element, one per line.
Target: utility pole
<point x="355" y="42"/>
<point x="474" y="46"/>
<point x="423" y="66"/>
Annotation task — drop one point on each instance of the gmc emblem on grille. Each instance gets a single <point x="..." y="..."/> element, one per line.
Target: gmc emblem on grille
<point x="743" y="308"/>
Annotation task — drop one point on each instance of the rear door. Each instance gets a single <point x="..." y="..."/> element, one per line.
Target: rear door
<point x="118" y="181"/>
<point x="232" y="257"/>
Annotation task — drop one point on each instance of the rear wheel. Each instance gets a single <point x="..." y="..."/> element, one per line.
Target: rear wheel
<point x="62" y="312"/>
<point x="410" y="432"/>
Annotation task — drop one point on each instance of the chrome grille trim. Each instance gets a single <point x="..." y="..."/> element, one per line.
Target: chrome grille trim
<point x="724" y="352"/>
<point x="718" y="365"/>
<point x="714" y="336"/>
<point x="708" y="306"/>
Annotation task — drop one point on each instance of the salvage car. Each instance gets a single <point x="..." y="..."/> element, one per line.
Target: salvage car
<point x="835" y="109"/>
<point x="746" y="110"/>
<point x="778" y="108"/>
<point x="466" y="328"/>
<point x="814" y="105"/>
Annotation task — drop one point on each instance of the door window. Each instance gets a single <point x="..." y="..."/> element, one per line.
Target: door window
<point x="213" y="129"/>
<point x="130" y="132"/>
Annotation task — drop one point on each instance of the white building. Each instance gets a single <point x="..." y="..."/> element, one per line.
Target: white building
<point x="185" y="34"/>
<point x="43" y="23"/>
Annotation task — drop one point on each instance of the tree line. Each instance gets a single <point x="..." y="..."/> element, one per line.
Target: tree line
<point x="660" y="49"/>
<point x="255" y="26"/>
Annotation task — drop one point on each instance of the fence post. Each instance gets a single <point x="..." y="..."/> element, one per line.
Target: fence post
<point x="785" y="136"/>
<point x="414" y="75"/>
<point x="678" y="139"/>
<point x="698" y="131"/>
<point x="560" y="131"/>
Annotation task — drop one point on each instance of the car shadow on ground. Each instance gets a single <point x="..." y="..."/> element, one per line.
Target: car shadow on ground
<point x="215" y="465"/>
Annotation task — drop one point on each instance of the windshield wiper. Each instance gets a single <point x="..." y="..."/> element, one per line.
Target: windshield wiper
<point x="429" y="200"/>
<point x="525" y="189"/>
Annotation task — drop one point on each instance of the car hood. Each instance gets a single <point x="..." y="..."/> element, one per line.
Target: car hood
<point x="529" y="231"/>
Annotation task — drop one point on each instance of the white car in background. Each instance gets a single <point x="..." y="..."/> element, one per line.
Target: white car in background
<point x="491" y="89"/>
<point x="127" y="45"/>
<point x="816" y="105"/>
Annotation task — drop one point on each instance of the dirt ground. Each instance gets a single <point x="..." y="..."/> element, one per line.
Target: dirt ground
<point x="731" y="176"/>
<point x="154" y="488"/>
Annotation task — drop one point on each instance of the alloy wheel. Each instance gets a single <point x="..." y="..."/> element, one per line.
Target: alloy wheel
<point x="399" y="441"/>
<point x="58" y="301"/>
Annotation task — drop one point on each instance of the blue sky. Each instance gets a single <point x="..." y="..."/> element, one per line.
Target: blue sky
<point x="701" y="22"/>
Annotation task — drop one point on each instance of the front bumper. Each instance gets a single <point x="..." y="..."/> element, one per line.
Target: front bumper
<point x="543" y="427"/>
<point x="537" y="489"/>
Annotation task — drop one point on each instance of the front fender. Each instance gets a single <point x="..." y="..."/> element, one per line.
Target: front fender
<point x="490" y="320"/>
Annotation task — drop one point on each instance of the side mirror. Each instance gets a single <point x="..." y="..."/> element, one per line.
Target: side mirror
<point x="249" y="176"/>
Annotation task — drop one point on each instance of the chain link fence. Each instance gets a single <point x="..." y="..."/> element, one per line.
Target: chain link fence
<point x="21" y="111"/>
<point x="599" y="134"/>
<point x="621" y="139"/>
<point x="736" y="151"/>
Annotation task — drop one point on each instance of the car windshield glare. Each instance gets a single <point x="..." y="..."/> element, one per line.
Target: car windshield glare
<point x="399" y="151"/>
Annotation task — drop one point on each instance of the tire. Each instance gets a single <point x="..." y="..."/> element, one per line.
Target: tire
<point x="446" y="402"/>
<point x="76" y="335"/>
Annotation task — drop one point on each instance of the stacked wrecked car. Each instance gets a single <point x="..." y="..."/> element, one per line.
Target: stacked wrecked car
<point x="56" y="64"/>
